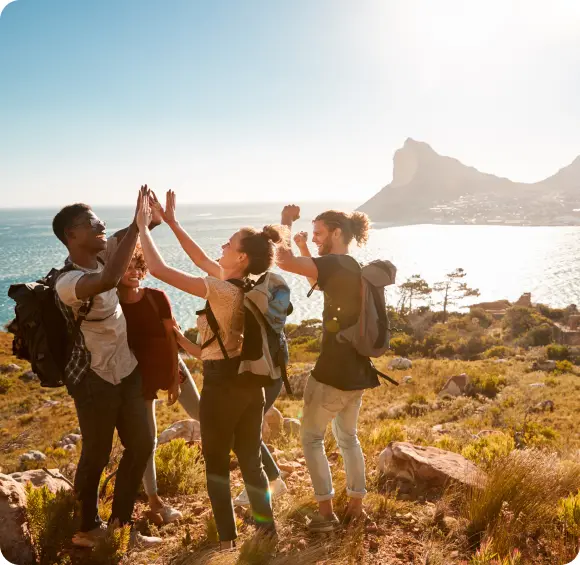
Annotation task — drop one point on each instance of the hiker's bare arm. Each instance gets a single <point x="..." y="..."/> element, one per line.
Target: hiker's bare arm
<point x="92" y="284"/>
<point x="156" y="218"/>
<point x="174" y="390"/>
<point x="290" y="213"/>
<point x="191" y="348"/>
<point x="301" y="241"/>
<point x="287" y="261"/>
<point x="158" y="267"/>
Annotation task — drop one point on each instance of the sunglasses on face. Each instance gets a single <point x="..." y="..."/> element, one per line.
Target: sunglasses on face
<point x="94" y="223"/>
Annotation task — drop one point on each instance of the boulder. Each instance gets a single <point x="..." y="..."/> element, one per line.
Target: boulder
<point x="292" y="426"/>
<point x="273" y="424"/>
<point x="400" y="363"/>
<point x="543" y="406"/>
<point x="31" y="456"/>
<point x="14" y="534"/>
<point x="53" y="480"/>
<point x="188" y="430"/>
<point x="71" y="439"/>
<point x="298" y="380"/>
<point x="427" y="466"/>
<point x="455" y="386"/>
<point x="544" y="365"/>
<point x="70" y="447"/>
<point x="10" y="368"/>
<point x="406" y="380"/>
<point x="28" y="377"/>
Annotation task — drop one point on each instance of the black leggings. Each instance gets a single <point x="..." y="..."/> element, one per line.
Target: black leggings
<point x="231" y="417"/>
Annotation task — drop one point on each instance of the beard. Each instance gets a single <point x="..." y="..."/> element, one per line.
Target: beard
<point x="325" y="248"/>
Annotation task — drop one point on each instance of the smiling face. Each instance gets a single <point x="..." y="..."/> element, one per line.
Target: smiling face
<point x="133" y="275"/>
<point x="87" y="232"/>
<point x="232" y="258"/>
<point x="322" y="237"/>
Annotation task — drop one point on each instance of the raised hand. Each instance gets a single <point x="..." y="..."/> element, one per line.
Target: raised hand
<point x="142" y="192"/>
<point x="144" y="215"/>
<point x="170" y="205"/>
<point x="290" y="213"/>
<point x="157" y="212"/>
<point x="301" y="240"/>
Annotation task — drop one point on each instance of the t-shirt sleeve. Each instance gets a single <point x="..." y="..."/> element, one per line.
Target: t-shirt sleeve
<point x="162" y="301"/>
<point x="66" y="287"/>
<point x="327" y="265"/>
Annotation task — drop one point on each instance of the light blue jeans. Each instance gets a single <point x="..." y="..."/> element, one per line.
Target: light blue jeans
<point x="323" y="404"/>
<point x="189" y="399"/>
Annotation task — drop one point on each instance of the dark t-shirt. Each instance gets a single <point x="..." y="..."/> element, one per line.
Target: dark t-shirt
<point x="339" y="364"/>
<point x="148" y="340"/>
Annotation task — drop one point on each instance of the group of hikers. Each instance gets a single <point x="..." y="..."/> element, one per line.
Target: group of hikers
<point x="125" y="347"/>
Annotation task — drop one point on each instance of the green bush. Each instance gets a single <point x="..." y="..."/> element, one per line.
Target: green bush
<point x="519" y="320"/>
<point x="569" y="514"/>
<point x="385" y="433"/>
<point x="540" y="335"/>
<point x="179" y="468"/>
<point x="555" y="314"/>
<point x="557" y="352"/>
<point x="564" y="366"/>
<point x="537" y="435"/>
<point x="446" y="350"/>
<point x="5" y="384"/>
<point x="402" y="345"/>
<point x="498" y="352"/>
<point x="52" y="521"/>
<point x="485" y="450"/>
<point x="113" y="547"/>
<point x="485" y="319"/>
<point x="488" y="385"/>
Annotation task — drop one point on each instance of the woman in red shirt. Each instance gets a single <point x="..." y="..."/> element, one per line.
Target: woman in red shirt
<point x="150" y="332"/>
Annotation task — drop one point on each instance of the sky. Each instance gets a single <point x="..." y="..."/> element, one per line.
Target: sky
<point x="228" y="101"/>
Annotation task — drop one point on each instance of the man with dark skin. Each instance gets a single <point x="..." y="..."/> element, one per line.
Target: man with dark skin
<point x="102" y="374"/>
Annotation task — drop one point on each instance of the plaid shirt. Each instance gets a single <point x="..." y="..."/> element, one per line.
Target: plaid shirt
<point x="80" y="359"/>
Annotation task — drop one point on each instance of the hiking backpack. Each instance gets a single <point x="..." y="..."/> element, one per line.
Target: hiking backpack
<point x="371" y="334"/>
<point x="40" y="331"/>
<point x="264" y="353"/>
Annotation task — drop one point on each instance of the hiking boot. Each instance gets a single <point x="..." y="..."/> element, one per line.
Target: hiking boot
<point x="277" y="488"/>
<point x="170" y="514"/>
<point x="139" y="541"/>
<point x="320" y="524"/>
<point x="91" y="538"/>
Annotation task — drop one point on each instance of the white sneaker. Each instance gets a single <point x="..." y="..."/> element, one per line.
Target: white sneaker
<point x="277" y="489"/>
<point x="140" y="541"/>
<point x="170" y="514"/>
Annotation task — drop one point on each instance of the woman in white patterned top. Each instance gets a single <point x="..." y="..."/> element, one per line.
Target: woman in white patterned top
<point x="231" y="405"/>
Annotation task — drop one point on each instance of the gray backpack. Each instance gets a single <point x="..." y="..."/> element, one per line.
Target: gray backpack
<point x="371" y="334"/>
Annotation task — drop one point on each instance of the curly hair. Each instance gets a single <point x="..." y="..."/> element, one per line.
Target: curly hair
<point x="140" y="262"/>
<point x="355" y="225"/>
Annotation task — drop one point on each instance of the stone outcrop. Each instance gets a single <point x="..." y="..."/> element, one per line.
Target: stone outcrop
<point x="455" y="386"/>
<point x="53" y="480"/>
<point x="188" y="430"/>
<point x="400" y="363"/>
<point x="273" y="424"/>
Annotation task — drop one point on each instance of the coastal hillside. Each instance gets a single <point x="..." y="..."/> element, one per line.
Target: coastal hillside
<point x="430" y="188"/>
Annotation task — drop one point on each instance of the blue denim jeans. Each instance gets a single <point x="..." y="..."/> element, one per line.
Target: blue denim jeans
<point x="324" y="404"/>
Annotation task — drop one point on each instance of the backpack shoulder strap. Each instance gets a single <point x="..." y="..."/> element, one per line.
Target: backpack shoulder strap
<point x="214" y="327"/>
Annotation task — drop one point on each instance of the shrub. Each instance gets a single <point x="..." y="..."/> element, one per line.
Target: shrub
<point x="485" y="450"/>
<point x="518" y="320"/>
<point x="540" y="335"/>
<point x="385" y="433"/>
<point x="518" y="499"/>
<point x="537" y="435"/>
<point x="485" y="555"/>
<point x="52" y="521"/>
<point x="446" y="350"/>
<point x="569" y="514"/>
<point x="402" y="345"/>
<point x="498" y="352"/>
<point x="448" y="443"/>
<point x="564" y="366"/>
<point x="488" y="385"/>
<point x="313" y="345"/>
<point x="179" y="468"/>
<point x="557" y="352"/>
<point x="555" y="314"/>
<point x="113" y="547"/>
<point x="5" y="384"/>
<point x="551" y="382"/>
<point x="485" y="319"/>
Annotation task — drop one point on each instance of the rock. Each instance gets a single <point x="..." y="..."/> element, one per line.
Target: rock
<point x="32" y="456"/>
<point x="50" y="403"/>
<point x="455" y="386"/>
<point x="292" y="426"/>
<point x="184" y="429"/>
<point x="537" y="385"/>
<point x="298" y="380"/>
<point x="14" y="534"/>
<point x="545" y="405"/>
<point x="71" y="439"/>
<point x="28" y="377"/>
<point x="70" y="447"/>
<point x="487" y="433"/>
<point x="406" y="380"/>
<point x="427" y="465"/>
<point x="274" y="424"/>
<point x="40" y="478"/>
<point x="544" y="365"/>
<point x="10" y="368"/>
<point x="400" y="363"/>
<point x="440" y="429"/>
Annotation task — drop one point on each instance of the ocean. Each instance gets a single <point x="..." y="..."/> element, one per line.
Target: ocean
<point x="502" y="261"/>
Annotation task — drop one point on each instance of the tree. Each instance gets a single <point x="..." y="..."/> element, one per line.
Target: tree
<point x="414" y="288"/>
<point x="453" y="289"/>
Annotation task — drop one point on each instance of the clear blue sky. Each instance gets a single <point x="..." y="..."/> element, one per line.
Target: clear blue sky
<point x="227" y="100"/>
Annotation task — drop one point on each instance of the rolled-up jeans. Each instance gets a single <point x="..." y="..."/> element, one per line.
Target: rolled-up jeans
<point x="324" y="404"/>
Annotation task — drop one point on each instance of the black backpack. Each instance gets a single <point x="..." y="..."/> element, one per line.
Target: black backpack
<point x="40" y="330"/>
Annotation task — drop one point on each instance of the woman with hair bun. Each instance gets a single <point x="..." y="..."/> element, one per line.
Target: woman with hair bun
<point x="231" y="405"/>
